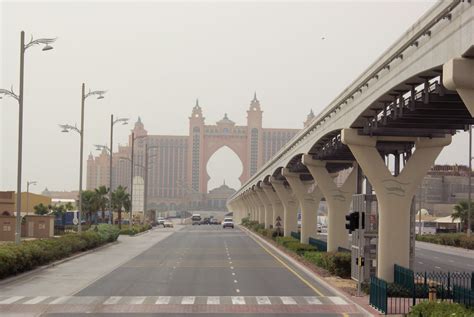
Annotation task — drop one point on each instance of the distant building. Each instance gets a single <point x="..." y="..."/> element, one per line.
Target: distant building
<point x="28" y="202"/>
<point x="177" y="176"/>
<point x="217" y="197"/>
<point x="74" y="194"/>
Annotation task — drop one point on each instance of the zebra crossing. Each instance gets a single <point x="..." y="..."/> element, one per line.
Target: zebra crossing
<point x="172" y="300"/>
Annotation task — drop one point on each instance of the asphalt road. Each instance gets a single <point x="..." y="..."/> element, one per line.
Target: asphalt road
<point x="202" y="270"/>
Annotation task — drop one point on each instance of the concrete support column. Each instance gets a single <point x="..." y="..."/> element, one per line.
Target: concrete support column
<point x="250" y="207"/>
<point x="268" y="210"/>
<point x="290" y="207"/>
<point x="458" y="76"/>
<point x="255" y="204"/>
<point x="277" y="206"/>
<point x="309" y="204"/>
<point x="338" y="200"/>
<point x="261" y="206"/>
<point x="394" y="193"/>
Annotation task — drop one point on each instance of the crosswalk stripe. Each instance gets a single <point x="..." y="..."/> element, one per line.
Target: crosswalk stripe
<point x="112" y="300"/>
<point x="137" y="300"/>
<point x="263" y="300"/>
<point x="11" y="300"/>
<point x="312" y="300"/>
<point x="35" y="300"/>
<point x="163" y="300"/>
<point x="188" y="300"/>
<point x="60" y="300"/>
<point x="238" y="300"/>
<point x="287" y="300"/>
<point x="213" y="300"/>
<point x="337" y="300"/>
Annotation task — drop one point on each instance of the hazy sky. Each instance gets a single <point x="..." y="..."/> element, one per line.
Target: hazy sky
<point x="156" y="58"/>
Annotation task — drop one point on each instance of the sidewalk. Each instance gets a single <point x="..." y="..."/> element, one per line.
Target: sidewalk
<point x="70" y="277"/>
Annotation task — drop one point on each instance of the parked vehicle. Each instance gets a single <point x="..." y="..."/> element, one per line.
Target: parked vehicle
<point x="161" y="221"/>
<point x="168" y="224"/>
<point x="228" y="223"/>
<point x="205" y="221"/>
<point x="196" y="219"/>
<point x="214" y="221"/>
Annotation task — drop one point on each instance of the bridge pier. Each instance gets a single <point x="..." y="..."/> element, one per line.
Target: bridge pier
<point x="338" y="200"/>
<point x="260" y="206"/>
<point x="458" y="76"/>
<point x="277" y="206"/>
<point x="256" y="205"/>
<point x="394" y="193"/>
<point x="250" y="206"/>
<point x="290" y="207"/>
<point x="309" y="204"/>
<point x="268" y="211"/>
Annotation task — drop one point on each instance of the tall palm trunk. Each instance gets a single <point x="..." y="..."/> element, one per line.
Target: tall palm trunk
<point x="120" y="218"/>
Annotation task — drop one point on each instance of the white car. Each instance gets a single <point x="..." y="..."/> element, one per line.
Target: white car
<point x="228" y="223"/>
<point x="160" y="221"/>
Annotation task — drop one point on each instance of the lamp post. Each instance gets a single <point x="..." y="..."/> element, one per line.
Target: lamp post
<point x="28" y="183"/>
<point x="46" y="42"/>
<point x="124" y="121"/>
<point x="67" y="128"/>
<point x="468" y="232"/>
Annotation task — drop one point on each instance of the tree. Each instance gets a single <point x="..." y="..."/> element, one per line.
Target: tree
<point x="89" y="204"/>
<point x="41" y="209"/>
<point x="120" y="201"/>
<point x="102" y="199"/>
<point x="461" y="211"/>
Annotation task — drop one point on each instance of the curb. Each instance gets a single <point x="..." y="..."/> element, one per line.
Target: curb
<point x="307" y="271"/>
<point x="22" y="275"/>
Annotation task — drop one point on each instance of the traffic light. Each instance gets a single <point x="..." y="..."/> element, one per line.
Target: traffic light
<point x="352" y="221"/>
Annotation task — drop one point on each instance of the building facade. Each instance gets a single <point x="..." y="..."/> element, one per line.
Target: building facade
<point x="177" y="177"/>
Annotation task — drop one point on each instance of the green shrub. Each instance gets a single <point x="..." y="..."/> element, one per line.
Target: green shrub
<point x="439" y="309"/>
<point x="450" y="239"/>
<point x="134" y="230"/>
<point x="299" y="248"/>
<point x="285" y="240"/>
<point x="337" y="263"/>
<point x="15" y="258"/>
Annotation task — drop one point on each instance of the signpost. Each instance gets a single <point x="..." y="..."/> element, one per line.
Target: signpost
<point x="278" y="225"/>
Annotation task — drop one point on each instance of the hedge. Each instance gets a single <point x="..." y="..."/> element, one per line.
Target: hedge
<point x="439" y="309"/>
<point x="135" y="229"/>
<point x="450" y="239"/>
<point x="337" y="263"/>
<point x="299" y="248"/>
<point x="26" y="256"/>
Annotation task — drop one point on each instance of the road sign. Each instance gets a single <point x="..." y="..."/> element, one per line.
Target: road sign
<point x="278" y="224"/>
<point x="75" y="221"/>
<point x="278" y="218"/>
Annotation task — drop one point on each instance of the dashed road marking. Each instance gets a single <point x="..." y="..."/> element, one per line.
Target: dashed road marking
<point x="112" y="300"/>
<point x="238" y="300"/>
<point x="263" y="300"/>
<point x="60" y="300"/>
<point x="287" y="300"/>
<point x="235" y="281"/>
<point x="213" y="300"/>
<point x="312" y="300"/>
<point x="437" y="267"/>
<point x="337" y="300"/>
<point x="11" y="300"/>
<point x="137" y="300"/>
<point x="35" y="300"/>
<point x="188" y="300"/>
<point x="163" y="300"/>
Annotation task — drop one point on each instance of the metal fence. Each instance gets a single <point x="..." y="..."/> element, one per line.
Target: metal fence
<point x="65" y="229"/>
<point x="378" y="294"/>
<point x="321" y="245"/>
<point x="296" y="235"/>
<point x="463" y="296"/>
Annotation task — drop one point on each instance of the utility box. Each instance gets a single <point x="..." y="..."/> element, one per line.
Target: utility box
<point x="7" y="228"/>
<point x="35" y="226"/>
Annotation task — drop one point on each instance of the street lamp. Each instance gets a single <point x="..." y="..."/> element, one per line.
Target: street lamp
<point x="28" y="183"/>
<point x="67" y="128"/>
<point x="124" y="121"/>
<point x="468" y="233"/>
<point x="19" y="98"/>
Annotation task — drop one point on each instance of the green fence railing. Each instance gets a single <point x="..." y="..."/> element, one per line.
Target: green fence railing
<point x="463" y="296"/>
<point x="321" y="245"/>
<point x="296" y="235"/>
<point x="378" y="294"/>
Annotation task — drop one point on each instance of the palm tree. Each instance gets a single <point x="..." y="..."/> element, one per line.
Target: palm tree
<point x="102" y="199"/>
<point x="41" y="209"/>
<point x="120" y="201"/>
<point x="89" y="204"/>
<point x="461" y="211"/>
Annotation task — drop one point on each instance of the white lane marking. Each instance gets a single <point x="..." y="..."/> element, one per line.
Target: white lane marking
<point x="230" y="262"/>
<point x="337" y="300"/>
<point x="60" y="300"/>
<point x="188" y="300"/>
<point x="36" y="300"/>
<point x="452" y="261"/>
<point x="163" y="300"/>
<point x="287" y="300"/>
<point x="233" y="273"/>
<point x="112" y="300"/>
<point x="231" y="267"/>
<point x="235" y="281"/>
<point x="137" y="300"/>
<point x="471" y="265"/>
<point x="263" y="300"/>
<point x="312" y="300"/>
<point x="437" y="267"/>
<point x="11" y="300"/>
<point x="420" y="263"/>
<point x="237" y="290"/>
<point x="238" y="300"/>
<point x="213" y="300"/>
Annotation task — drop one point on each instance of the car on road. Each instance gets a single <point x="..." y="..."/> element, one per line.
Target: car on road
<point x="205" y="221"/>
<point x="168" y="224"/>
<point x="228" y="223"/>
<point x="196" y="218"/>
<point x="214" y="221"/>
<point x="160" y="221"/>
